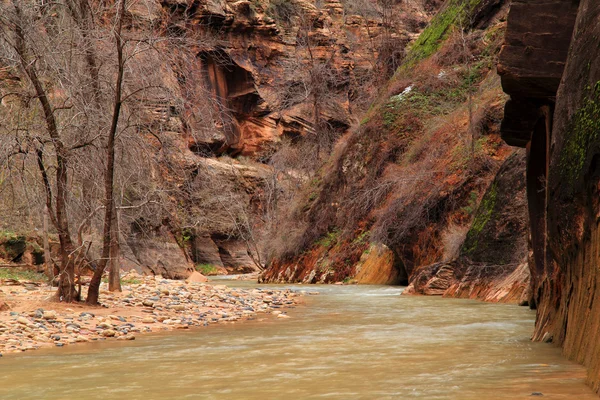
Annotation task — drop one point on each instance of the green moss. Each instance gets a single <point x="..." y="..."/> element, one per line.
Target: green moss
<point x="484" y="214"/>
<point x="583" y="133"/>
<point x="470" y="208"/>
<point x="436" y="33"/>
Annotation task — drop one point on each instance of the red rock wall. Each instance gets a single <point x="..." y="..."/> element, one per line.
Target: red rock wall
<point x="563" y="140"/>
<point x="569" y="306"/>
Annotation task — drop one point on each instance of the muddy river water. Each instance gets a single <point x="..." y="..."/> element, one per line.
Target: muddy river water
<point x="349" y="342"/>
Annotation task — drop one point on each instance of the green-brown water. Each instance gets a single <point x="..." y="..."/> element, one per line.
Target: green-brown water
<point x="351" y="342"/>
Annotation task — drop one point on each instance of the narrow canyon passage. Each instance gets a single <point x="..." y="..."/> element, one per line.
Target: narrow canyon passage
<point x="349" y="342"/>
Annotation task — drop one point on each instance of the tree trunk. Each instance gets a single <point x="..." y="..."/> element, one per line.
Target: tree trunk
<point x="109" y="204"/>
<point x="66" y="288"/>
<point x="48" y="264"/>
<point x="114" y="278"/>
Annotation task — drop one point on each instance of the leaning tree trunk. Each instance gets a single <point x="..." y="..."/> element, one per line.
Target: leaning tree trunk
<point x="66" y="288"/>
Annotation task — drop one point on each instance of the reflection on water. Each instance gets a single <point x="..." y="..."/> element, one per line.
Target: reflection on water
<point x="351" y="342"/>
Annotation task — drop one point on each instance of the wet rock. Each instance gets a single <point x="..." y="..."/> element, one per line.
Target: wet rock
<point x="547" y="338"/>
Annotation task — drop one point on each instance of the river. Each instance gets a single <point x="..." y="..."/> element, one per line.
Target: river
<point x="349" y="342"/>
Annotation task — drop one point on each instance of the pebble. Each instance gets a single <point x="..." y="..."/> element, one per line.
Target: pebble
<point x="51" y="314"/>
<point x="156" y="304"/>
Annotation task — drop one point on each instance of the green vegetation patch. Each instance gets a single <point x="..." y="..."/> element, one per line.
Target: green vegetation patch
<point x="207" y="269"/>
<point x="361" y="239"/>
<point x="125" y="281"/>
<point x="21" y="275"/>
<point x="436" y="33"/>
<point x="583" y="133"/>
<point x="484" y="214"/>
<point x="330" y="239"/>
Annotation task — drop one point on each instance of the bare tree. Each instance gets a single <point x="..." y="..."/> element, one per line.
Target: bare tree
<point x="17" y="35"/>
<point x="110" y="237"/>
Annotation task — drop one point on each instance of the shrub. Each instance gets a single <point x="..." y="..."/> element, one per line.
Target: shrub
<point x="452" y="239"/>
<point x="283" y="11"/>
<point x="207" y="269"/>
<point x="21" y="275"/>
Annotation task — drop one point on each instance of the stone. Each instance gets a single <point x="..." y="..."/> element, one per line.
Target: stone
<point x="196" y="277"/>
<point x="108" y="333"/>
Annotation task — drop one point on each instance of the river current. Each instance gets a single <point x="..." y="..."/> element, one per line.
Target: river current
<point x="349" y="342"/>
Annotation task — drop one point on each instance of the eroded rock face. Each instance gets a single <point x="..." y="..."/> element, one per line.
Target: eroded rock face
<point x="377" y="266"/>
<point x="158" y="253"/>
<point x="250" y="56"/>
<point x="569" y="293"/>
<point x="564" y="211"/>
<point x="492" y="265"/>
<point x="432" y="280"/>
<point x="235" y="256"/>
<point x="532" y="61"/>
<point x="205" y="251"/>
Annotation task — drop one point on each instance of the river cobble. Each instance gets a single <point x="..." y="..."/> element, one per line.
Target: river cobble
<point x="154" y="304"/>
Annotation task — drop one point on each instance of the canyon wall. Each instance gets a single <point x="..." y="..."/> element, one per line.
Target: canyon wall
<point x="551" y="68"/>
<point x="492" y="264"/>
<point x="229" y="83"/>
<point x="424" y="191"/>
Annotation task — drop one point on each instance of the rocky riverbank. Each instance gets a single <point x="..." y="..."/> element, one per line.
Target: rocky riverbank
<point x="150" y="304"/>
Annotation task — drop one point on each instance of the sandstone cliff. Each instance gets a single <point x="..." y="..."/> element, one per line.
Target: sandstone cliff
<point x="492" y="264"/>
<point x="228" y="83"/>
<point x="406" y="188"/>
<point x="552" y="72"/>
